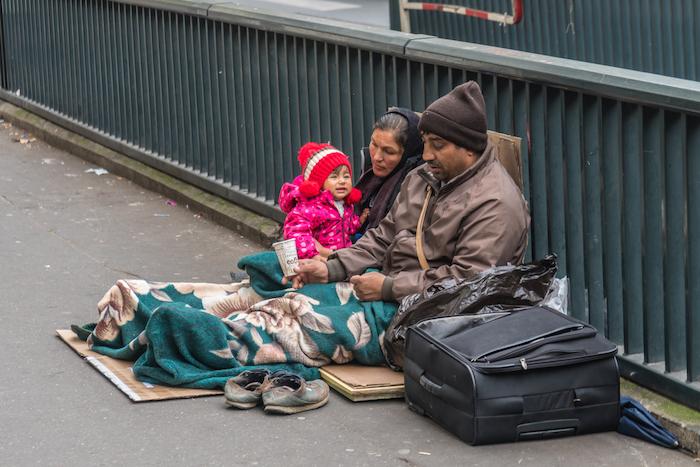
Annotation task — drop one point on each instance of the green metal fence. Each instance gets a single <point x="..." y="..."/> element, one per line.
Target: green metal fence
<point x="222" y="97"/>
<point x="656" y="36"/>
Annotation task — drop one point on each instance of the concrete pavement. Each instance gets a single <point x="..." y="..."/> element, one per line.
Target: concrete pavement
<point x="66" y="235"/>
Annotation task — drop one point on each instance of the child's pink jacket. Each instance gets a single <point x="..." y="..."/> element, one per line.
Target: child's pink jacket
<point x="317" y="217"/>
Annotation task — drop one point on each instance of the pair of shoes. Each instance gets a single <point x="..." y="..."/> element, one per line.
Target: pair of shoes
<point x="280" y="392"/>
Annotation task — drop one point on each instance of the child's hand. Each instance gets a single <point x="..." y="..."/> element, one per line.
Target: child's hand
<point x="322" y="250"/>
<point x="364" y="215"/>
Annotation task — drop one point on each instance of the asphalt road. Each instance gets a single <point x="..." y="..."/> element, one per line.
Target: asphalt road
<point x="370" y="12"/>
<point x="66" y="235"/>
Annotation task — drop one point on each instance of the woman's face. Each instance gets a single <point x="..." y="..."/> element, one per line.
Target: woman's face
<point x="385" y="152"/>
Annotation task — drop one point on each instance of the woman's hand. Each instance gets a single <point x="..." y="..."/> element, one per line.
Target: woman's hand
<point x="364" y="216"/>
<point x="309" y="271"/>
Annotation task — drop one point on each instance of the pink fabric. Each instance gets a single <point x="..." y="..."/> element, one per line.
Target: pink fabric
<point x="315" y="218"/>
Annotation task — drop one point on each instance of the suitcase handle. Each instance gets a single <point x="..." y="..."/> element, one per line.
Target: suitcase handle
<point x="430" y="386"/>
<point x="547" y="429"/>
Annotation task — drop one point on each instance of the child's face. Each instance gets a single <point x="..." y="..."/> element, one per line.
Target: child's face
<point x="339" y="183"/>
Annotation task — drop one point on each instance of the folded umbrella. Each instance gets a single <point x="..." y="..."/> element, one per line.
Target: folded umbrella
<point x="637" y="422"/>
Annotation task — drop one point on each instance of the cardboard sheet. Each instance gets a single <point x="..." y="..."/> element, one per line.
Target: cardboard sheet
<point x="364" y="383"/>
<point x="120" y="374"/>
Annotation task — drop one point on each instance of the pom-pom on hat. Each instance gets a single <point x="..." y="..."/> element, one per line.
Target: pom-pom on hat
<point x="318" y="161"/>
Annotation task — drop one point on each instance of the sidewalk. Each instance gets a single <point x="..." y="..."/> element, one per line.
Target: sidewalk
<point x="66" y="235"/>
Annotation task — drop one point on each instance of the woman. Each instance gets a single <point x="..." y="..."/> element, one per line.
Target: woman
<point x="395" y="149"/>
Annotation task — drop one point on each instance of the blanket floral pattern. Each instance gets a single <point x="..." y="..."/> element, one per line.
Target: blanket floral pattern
<point x="200" y="334"/>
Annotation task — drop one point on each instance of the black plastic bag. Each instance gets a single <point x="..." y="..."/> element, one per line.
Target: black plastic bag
<point x="499" y="289"/>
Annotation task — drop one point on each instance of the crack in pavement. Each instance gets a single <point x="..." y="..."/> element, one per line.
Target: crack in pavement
<point x="7" y="200"/>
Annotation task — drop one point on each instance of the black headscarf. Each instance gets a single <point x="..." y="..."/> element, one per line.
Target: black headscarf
<point x="379" y="193"/>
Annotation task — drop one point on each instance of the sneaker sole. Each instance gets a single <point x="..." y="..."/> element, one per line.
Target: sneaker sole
<point x="292" y="409"/>
<point x="241" y="405"/>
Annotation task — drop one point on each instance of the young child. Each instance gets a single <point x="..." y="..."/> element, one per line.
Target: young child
<point x="319" y="202"/>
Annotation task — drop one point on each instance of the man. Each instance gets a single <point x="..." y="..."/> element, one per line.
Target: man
<point x="474" y="216"/>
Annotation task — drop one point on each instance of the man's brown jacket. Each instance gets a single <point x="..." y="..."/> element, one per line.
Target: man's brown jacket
<point x="477" y="220"/>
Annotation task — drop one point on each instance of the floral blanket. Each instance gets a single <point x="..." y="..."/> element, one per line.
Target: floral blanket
<point x="199" y="335"/>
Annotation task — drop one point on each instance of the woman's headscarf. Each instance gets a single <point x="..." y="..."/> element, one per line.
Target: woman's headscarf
<point x="379" y="193"/>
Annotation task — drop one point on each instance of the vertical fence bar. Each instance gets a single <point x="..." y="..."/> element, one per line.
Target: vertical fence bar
<point x="10" y="39"/>
<point x="633" y="216"/>
<point x="192" y="86"/>
<point x="202" y="90"/>
<point x="156" y="57"/>
<point x="86" y="64"/>
<point x="520" y="111"/>
<point x="538" y="171"/>
<point x="693" y="281"/>
<point x="653" y="275"/>
<point x="3" y="43"/>
<point x="330" y="96"/>
<point x="556" y="177"/>
<point x="285" y="169"/>
<point x="179" y="59"/>
<point x="29" y="44"/>
<point x="593" y="237"/>
<point x="257" y="110"/>
<point x="574" y="205"/>
<point x="165" y="88"/>
<point x="209" y="91"/>
<point x="268" y="135"/>
<point x="224" y="77"/>
<point x="134" y="87"/>
<point x="612" y="214"/>
<point x="674" y="259"/>
<point x="242" y="101"/>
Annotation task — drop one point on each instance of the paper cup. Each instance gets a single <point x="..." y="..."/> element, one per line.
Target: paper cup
<point x="286" y="251"/>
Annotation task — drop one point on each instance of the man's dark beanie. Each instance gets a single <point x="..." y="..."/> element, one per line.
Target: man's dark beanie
<point x="459" y="117"/>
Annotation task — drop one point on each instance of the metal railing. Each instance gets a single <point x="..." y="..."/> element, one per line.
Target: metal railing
<point x="656" y="36"/>
<point x="222" y="97"/>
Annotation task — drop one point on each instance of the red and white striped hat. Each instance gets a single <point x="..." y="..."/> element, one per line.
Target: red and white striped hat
<point x="318" y="161"/>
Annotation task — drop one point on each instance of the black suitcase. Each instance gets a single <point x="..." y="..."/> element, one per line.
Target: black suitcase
<point x="500" y="377"/>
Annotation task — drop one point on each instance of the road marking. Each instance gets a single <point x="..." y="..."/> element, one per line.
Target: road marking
<point x="318" y="5"/>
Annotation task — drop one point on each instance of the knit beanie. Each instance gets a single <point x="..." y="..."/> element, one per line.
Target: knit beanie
<point x="459" y="117"/>
<point x="318" y="161"/>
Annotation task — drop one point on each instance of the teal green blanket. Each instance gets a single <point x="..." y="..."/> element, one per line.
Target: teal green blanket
<point x="198" y="335"/>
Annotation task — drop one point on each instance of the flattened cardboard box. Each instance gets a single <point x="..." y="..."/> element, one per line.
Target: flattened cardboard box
<point x="119" y="372"/>
<point x="364" y="383"/>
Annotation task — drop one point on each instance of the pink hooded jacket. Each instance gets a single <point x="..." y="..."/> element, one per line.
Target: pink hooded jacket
<point x="316" y="218"/>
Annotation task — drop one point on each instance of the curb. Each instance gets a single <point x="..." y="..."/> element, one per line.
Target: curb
<point x="254" y="226"/>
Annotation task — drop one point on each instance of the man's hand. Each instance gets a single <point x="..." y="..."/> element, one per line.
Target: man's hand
<point x="309" y="271"/>
<point x="368" y="287"/>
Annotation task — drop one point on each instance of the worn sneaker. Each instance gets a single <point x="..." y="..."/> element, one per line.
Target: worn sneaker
<point x="243" y="391"/>
<point x="288" y="394"/>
